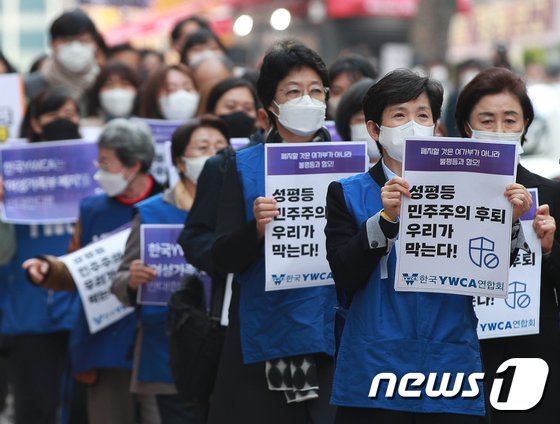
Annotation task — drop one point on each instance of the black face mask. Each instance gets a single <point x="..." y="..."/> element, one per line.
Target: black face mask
<point x="239" y="124"/>
<point x="61" y="129"/>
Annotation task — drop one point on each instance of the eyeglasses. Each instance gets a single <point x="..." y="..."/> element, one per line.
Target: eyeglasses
<point x="294" y="92"/>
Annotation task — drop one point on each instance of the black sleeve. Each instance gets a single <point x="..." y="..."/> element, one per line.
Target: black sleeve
<point x="236" y="246"/>
<point x="351" y="259"/>
<point x="198" y="234"/>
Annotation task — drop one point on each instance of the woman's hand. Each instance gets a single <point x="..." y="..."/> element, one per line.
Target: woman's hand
<point x="391" y="194"/>
<point x="519" y="198"/>
<point x="140" y="274"/>
<point x="264" y="209"/>
<point x="37" y="269"/>
<point x="545" y="227"/>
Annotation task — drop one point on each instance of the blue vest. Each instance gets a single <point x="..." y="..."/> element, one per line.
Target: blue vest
<point x="111" y="347"/>
<point x="401" y="332"/>
<point x="154" y="352"/>
<point x="27" y="308"/>
<point x="280" y="323"/>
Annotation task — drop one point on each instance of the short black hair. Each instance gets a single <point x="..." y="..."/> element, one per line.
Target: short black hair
<point x="72" y="23"/>
<point x="119" y="48"/>
<point x="223" y="87"/>
<point x="350" y="104"/>
<point x="201" y="36"/>
<point x="283" y="58"/>
<point x="176" y="31"/>
<point x="181" y="137"/>
<point x="493" y="81"/>
<point x="355" y="65"/>
<point x="401" y="86"/>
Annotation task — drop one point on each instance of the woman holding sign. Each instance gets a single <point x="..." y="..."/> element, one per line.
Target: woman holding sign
<point x="495" y="106"/>
<point x="293" y="89"/>
<point x="191" y="146"/>
<point x="102" y="360"/>
<point x="399" y="335"/>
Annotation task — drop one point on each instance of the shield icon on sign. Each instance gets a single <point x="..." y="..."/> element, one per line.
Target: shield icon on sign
<point x="479" y="252"/>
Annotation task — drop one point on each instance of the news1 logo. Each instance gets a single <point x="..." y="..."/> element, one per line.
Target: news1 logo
<point x="526" y="389"/>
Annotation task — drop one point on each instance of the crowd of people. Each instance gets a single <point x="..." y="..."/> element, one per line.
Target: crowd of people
<point x="306" y="355"/>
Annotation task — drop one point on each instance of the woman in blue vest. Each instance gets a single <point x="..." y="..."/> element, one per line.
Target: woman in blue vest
<point x="37" y="319"/>
<point x="495" y="105"/>
<point x="279" y="331"/>
<point x="103" y="360"/>
<point x="388" y="331"/>
<point x="191" y="146"/>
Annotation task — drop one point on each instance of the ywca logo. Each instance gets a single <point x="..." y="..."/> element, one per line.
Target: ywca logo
<point x="526" y="390"/>
<point x="278" y="279"/>
<point x="410" y="279"/>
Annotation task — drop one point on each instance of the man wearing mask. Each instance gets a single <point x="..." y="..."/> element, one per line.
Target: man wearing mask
<point x="72" y="63"/>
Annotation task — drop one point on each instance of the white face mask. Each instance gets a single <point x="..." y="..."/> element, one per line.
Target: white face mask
<point x="179" y="105"/>
<point x="302" y="116"/>
<point x="194" y="167"/>
<point x="359" y="132"/>
<point x="76" y="56"/>
<point x="392" y="139"/>
<point x="117" y="102"/>
<point x="498" y="136"/>
<point x="112" y="183"/>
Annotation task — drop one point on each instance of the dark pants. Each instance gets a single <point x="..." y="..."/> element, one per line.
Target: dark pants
<point x="37" y="364"/>
<point x="384" y="416"/>
<point x="173" y="410"/>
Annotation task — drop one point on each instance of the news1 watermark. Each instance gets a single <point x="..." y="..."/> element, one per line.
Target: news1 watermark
<point x="526" y="389"/>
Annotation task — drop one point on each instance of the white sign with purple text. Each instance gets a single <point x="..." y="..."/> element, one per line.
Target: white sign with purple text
<point x="518" y="314"/>
<point x="93" y="268"/>
<point x="455" y="230"/>
<point x="297" y="175"/>
<point x="45" y="182"/>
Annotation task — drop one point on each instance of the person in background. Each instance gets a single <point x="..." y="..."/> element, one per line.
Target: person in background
<point x="126" y="54"/>
<point x="5" y="65"/>
<point x="495" y="106"/>
<point x="272" y="329"/>
<point x="200" y="42"/>
<point x="114" y="92"/>
<point x="191" y="146"/>
<point x="38" y="63"/>
<point x="72" y="64"/>
<point x="344" y="72"/>
<point x="385" y="330"/>
<point x="151" y="61"/>
<point x="169" y="94"/>
<point x="53" y="114"/>
<point x="350" y="120"/>
<point x="235" y="101"/>
<point x="102" y="361"/>
<point x="37" y="321"/>
<point x="210" y="68"/>
<point x="183" y="28"/>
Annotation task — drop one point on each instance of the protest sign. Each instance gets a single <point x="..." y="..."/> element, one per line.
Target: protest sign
<point x="297" y="176"/>
<point x="11" y="105"/>
<point x="518" y="314"/>
<point x="455" y="230"/>
<point x="159" y="250"/>
<point x="44" y="182"/>
<point x="93" y="268"/>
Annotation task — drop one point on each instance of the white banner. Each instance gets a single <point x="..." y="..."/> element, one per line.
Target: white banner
<point x="297" y="176"/>
<point x="455" y="230"/>
<point x="93" y="268"/>
<point x="518" y="314"/>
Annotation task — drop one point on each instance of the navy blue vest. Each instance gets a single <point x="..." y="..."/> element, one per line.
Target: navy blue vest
<point x="154" y="352"/>
<point x="401" y="332"/>
<point x="27" y="308"/>
<point x="111" y="347"/>
<point x="280" y="323"/>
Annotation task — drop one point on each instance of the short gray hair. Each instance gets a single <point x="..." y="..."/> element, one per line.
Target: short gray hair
<point x="131" y="141"/>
